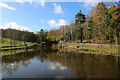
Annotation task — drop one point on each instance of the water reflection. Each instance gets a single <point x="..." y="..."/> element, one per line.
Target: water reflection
<point x="53" y="66"/>
<point x="52" y="63"/>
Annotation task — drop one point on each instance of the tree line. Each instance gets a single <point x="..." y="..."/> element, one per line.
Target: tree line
<point x="19" y="35"/>
<point x="16" y="35"/>
<point x="100" y="25"/>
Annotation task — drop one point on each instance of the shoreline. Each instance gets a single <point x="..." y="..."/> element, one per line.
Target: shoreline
<point x="82" y="48"/>
<point x="14" y="48"/>
<point x="89" y="51"/>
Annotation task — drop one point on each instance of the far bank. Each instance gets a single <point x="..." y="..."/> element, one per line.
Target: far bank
<point x="103" y="49"/>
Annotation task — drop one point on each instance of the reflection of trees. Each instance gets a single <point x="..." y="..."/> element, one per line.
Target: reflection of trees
<point x="26" y="63"/>
<point x="11" y="63"/>
<point x="85" y="65"/>
<point x="18" y="57"/>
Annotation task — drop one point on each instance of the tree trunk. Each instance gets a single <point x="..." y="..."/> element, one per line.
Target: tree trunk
<point x="118" y="41"/>
<point x="25" y="44"/>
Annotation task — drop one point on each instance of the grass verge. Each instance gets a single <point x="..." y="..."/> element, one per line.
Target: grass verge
<point x="94" y="48"/>
<point x="18" y="44"/>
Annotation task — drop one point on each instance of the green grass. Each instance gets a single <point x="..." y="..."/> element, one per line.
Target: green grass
<point x="6" y="42"/>
<point x="94" y="48"/>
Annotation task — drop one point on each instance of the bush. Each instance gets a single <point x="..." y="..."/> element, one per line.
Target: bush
<point x="77" y="41"/>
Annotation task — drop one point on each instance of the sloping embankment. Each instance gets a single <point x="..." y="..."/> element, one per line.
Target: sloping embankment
<point x="17" y="47"/>
<point x="104" y="49"/>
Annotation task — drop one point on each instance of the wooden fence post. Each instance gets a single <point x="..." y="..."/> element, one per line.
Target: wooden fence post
<point x="0" y="53"/>
<point x="118" y="43"/>
<point x="0" y="44"/>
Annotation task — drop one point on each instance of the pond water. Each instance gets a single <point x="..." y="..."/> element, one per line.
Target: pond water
<point x="48" y="63"/>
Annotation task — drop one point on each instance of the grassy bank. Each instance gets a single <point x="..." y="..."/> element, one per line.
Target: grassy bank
<point x="104" y="49"/>
<point x="90" y="48"/>
<point x="15" y="44"/>
<point x="94" y="48"/>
